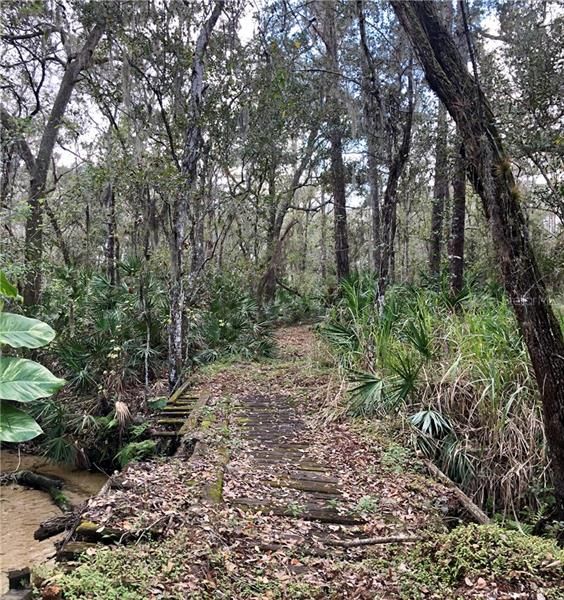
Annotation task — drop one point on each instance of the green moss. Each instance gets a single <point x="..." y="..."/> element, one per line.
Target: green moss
<point x="487" y="551"/>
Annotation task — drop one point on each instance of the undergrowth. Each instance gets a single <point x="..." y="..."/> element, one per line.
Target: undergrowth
<point x="479" y="555"/>
<point x="459" y="373"/>
<point x="111" y="348"/>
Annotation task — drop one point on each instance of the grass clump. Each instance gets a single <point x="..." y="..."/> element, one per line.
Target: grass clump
<point x="458" y="372"/>
<point x="484" y="555"/>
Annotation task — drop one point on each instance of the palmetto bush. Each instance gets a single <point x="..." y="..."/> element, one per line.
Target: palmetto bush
<point x="462" y="377"/>
<point x="109" y="333"/>
<point x="227" y="322"/>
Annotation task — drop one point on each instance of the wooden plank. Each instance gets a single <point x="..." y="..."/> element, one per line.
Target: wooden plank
<point x="306" y="486"/>
<point x="309" y="512"/>
<point x="171" y="421"/>
<point x="171" y="434"/>
<point x="192" y="421"/>
<point x="183" y="414"/>
<point x="18" y="595"/>
<point x="179" y="391"/>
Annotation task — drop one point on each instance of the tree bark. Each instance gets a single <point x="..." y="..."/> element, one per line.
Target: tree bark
<point x="374" y="124"/>
<point x="110" y="245"/>
<point x="38" y="174"/>
<point x="440" y="194"/>
<point x="389" y="207"/>
<point x="179" y="213"/>
<point x="339" y="204"/>
<point x="489" y="171"/>
<point x="458" y="224"/>
<point x="279" y="207"/>
<point x="323" y="257"/>
<point x="337" y="166"/>
<point x="458" y="218"/>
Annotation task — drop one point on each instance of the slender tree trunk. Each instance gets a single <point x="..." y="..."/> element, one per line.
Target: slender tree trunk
<point x="267" y="284"/>
<point x="374" y="124"/>
<point x="458" y="218"/>
<point x="389" y="207"/>
<point x="192" y="150"/>
<point x="339" y="205"/>
<point x="34" y="224"/>
<point x="457" y="227"/>
<point x="489" y="170"/>
<point x="440" y="194"/>
<point x="58" y="234"/>
<point x="279" y="206"/>
<point x="305" y="239"/>
<point x="110" y="245"/>
<point x="327" y="10"/>
<point x="323" y="240"/>
<point x="197" y="215"/>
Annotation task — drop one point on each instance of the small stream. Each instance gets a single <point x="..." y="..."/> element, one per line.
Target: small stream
<point x="22" y="510"/>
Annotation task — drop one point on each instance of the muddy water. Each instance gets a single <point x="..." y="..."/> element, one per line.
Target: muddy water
<point x="22" y="509"/>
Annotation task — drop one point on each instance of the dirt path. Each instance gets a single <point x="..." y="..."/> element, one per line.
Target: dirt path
<point x="273" y="488"/>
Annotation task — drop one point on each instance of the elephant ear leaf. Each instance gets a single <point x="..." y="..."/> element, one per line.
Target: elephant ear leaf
<point x="16" y="425"/>
<point x="6" y="288"/>
<point x="23" y="380"/>
<point x="22" y="332"/>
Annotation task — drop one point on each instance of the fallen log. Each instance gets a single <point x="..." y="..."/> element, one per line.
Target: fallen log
<point x="43" y="483"/>
<point x="93" y="532"/>
<point x="392" y="539"/>
<point x="32" y="480"/>
<point x="73" y="550"/>
<point x="475" y="511"/>
<point x="56" y="525"/>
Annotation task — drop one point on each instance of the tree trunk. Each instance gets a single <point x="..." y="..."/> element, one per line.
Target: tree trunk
<point x="389" y="207"/>
<point x="489" y="171"/>
<point x="58" y="234"/>
<point x="457" y="226"/>
<point x="192" y="150"/>
<point x="110" y="245"/>
<point x="374" y="124"/>
<point x="458" y="218"/>
<point x="34" y="223"/>
<point x="323" y="240"/>
<point x="280" y="204"/>
<point x="440" y="194"/>
<point x="339" y="204"/>
<point x="337" y="168"/>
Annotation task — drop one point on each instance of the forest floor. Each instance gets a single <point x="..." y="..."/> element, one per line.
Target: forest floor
<point x="283" y="500"/>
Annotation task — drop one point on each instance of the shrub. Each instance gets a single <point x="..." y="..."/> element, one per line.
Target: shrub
<point x="497" y="555"/>
<point x="460" y="373"/>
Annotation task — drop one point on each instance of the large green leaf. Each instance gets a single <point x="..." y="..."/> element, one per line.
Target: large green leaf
<point x="6" y="288"/>
<point x="23" y="380"/>
<point x="22" y="332"/>
<point x="16" y="425"/>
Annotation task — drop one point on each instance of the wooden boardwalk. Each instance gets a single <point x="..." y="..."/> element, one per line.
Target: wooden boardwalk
<point x="276" y="455"/>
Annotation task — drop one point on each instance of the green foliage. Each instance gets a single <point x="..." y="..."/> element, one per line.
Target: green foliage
<point x="22" y="332"/>
<point x="6" y="288"/>
<point x="22" y="380"/>
<point x="135" y="451"/>
<point x="17" y="425"/>
<point x="395" y="458"/>
<point x="486" y="551"/>
<point x="367" y="505"/>
<point x="231" y="324"/>
<point x="292" y="308"/>
<point x="460" y="373"/>
<point x="109" y="333"/>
